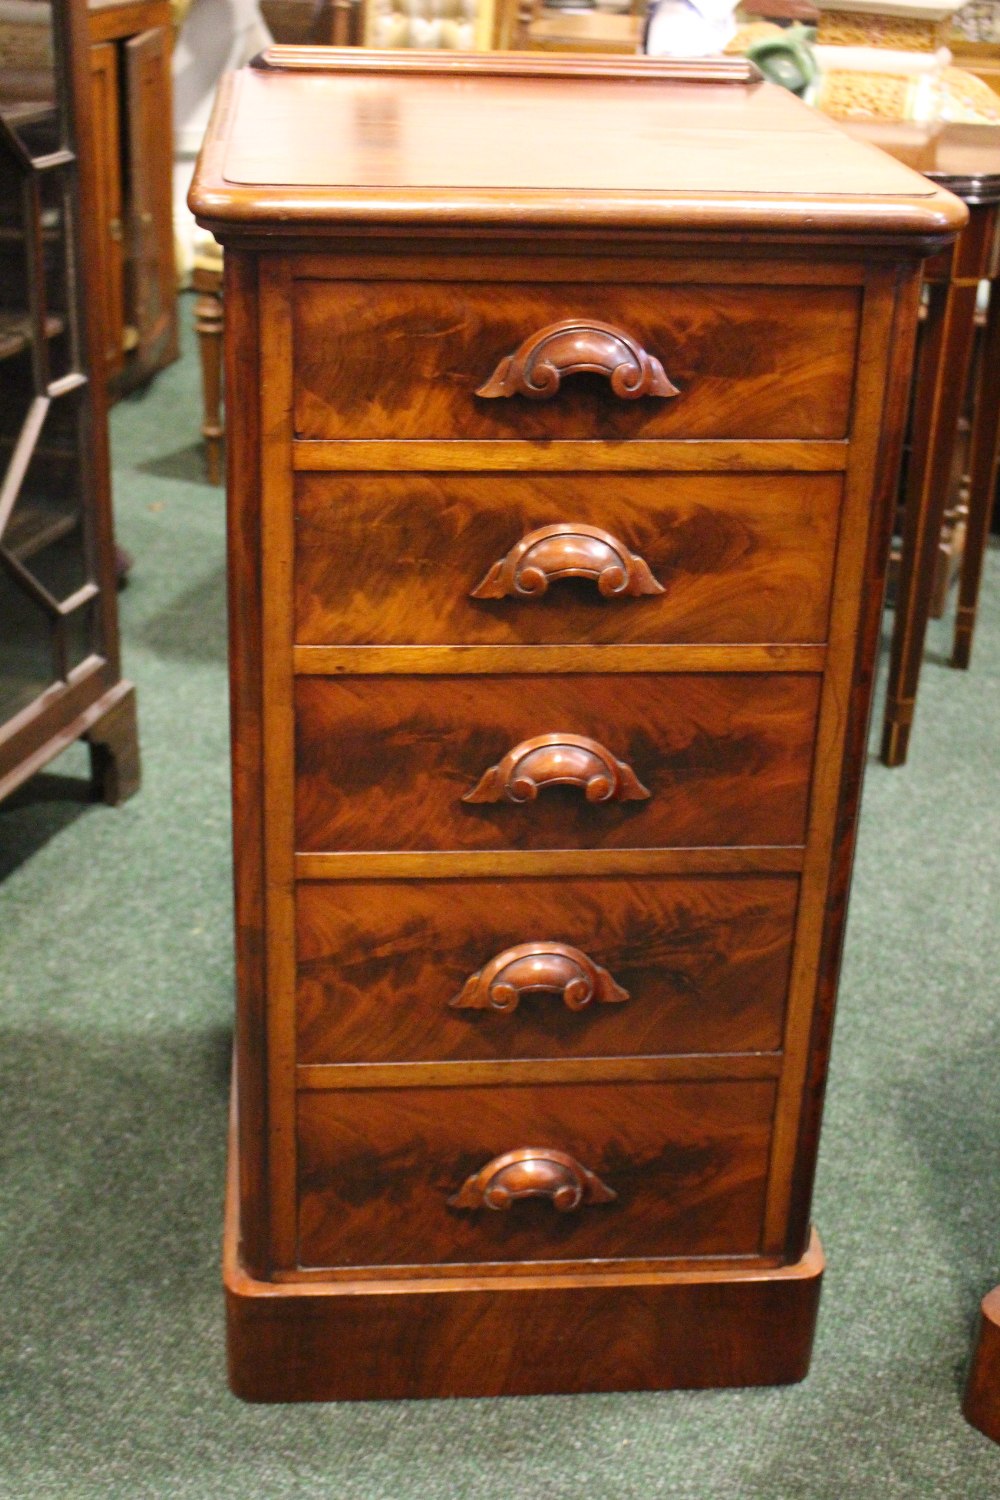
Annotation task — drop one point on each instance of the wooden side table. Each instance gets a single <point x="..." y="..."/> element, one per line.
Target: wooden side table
<point x="966" y="160"/>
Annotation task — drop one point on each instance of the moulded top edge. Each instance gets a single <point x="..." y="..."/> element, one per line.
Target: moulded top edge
<point x="454" y="150"/>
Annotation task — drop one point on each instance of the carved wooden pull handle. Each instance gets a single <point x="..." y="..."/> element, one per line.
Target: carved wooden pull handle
<point x="567" y="550"/>
<point x="537" y="366"/>
<point x="500" y="984"/>
<point x="533" y="1172"/>
<point x="558" y="760"/>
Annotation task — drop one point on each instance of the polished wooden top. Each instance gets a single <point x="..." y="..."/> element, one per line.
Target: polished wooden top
<point x="343" y="138"/>
<point x="963" y="158"/>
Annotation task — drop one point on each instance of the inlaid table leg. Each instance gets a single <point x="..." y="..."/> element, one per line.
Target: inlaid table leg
<point x="941" y="381"/>
<point x="982" y="483"/>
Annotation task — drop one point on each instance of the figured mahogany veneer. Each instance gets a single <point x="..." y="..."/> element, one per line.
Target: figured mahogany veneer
<point x="401" y="559"/>
<point x="748" y="361"/>
<point x="560" y="493"/>
<point x="388" y="764"/>
<point x="687" y="1163"/>
<point x="705" y="963"/>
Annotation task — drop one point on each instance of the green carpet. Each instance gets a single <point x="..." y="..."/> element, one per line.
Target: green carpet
<point x="115" y="1001"/>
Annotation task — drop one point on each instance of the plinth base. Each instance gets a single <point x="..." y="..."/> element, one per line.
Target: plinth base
<point x="517" y="1335"/>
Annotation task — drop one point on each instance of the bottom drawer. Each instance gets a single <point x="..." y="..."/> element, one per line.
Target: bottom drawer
<point x="379" y="1171"/>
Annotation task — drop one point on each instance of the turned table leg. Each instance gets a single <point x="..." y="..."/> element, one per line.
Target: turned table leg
<point x="208" y="323"/>
<point x="982" y="482"/>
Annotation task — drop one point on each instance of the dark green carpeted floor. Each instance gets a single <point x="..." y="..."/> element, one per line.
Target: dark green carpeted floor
<point x="115" y="997"/>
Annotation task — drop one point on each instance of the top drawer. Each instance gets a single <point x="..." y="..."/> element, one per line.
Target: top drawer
<point x="398" y="360"/>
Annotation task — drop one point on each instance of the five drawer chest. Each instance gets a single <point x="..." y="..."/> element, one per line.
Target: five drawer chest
<point x="564" y="405"/>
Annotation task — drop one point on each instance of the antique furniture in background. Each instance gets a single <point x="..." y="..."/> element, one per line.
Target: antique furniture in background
<point x="321" y="22"/>
<point x="448" y="24"/>
<point x="966" y="160"/>
<point x="131" y="186"/>
<point x="60" y="678"/>
<point x="534" y="25"/>
<point x="974" y="40"/>
<point x="561" y="485"/>
<point x="209" y="323"/>
<point x="452" y="25"/>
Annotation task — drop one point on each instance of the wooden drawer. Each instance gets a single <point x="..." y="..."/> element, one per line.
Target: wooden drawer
<point x="686" y="1161"/>
<point x="386" y="968"/>
<point x="748" y="361"/>
<point x="393" y="559"/>
<point x="385" y="763"/>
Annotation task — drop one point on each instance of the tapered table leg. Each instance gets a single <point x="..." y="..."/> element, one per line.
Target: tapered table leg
<point x="982" y="483"/>
<point x="942" y="377"/>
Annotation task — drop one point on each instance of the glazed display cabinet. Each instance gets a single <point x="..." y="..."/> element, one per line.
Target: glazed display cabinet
<point x="60" y="676"/>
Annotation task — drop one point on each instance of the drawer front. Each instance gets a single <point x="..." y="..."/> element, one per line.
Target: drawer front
<point x="398" y="360"/>
<point x="668" y="760"/>
<point x="686" y="1162"/>
<point x="427" y="559"/>
<point x="415" y="971"/>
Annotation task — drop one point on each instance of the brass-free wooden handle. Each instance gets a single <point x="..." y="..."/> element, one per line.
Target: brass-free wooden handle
<point x="558" y="760"/>
<point x="500" y="984"/>
<point x="573" y="347"/>
<point x="567" y="550"/>
<point x="532" y="1172"/>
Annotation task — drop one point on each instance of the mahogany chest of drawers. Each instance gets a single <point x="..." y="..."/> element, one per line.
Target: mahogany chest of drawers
<point x="564" y="407"/>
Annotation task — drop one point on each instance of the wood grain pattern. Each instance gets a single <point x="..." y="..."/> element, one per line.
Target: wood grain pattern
<point x="391" y="289"/>
<point x="385" y="764"/>
<point x="705" y="963"/>
<point x="873" y="490"/>
<point x="582" y="1329"/>
<point x="433" y="661"/>
<point x="393" y="559"/>
<point x="749" y="859"/>
<point x="750" y="362"/>
<point x="682" y="1068"/>
<point x="687" y="1162"/>
<point x="288" y="153"/>
<point x="277" y="741"/>
<point x="245" y="620"/>
<point x="661" y="455"/>
<point x="506" y="64"/>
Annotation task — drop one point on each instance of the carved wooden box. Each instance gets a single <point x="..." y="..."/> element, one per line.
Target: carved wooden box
<point x="560" y="487"/>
